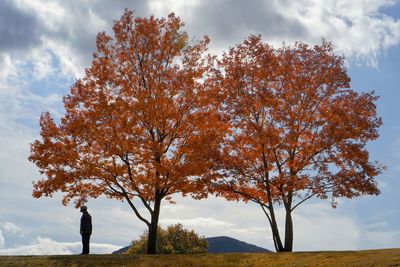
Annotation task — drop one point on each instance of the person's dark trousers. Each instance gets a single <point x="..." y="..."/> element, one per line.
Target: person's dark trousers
<point x="85" y="243"/>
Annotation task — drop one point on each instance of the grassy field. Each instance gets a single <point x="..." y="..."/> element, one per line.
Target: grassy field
<point x="385" y="257"/>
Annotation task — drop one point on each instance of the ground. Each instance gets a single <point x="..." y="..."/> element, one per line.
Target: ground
<point x="383" y="257"/>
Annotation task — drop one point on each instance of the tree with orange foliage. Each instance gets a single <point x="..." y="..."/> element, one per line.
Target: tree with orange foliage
<point x="297" y="129"/>
<point x="136" y="124"/>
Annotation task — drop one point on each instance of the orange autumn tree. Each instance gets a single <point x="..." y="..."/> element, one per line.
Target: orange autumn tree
<point x="297" y="129"/>
<point x="136" y="123"/>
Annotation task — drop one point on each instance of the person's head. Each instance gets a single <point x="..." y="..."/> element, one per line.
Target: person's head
<point x="83" y="208"/>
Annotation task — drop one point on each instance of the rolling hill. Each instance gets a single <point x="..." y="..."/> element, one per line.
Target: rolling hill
<point x="225" y="244"/>
<point x="222" y="244"/>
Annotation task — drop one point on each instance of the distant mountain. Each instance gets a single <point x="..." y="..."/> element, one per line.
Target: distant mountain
<point x="121" y="250"/>
<point x="225" y="244"/>
<point x="221" y="244"/>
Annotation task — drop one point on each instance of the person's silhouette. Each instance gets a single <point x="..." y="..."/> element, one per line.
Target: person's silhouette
<point x="86" y="229"/>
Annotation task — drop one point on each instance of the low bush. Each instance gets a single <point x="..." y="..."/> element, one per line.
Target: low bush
<point x="173" y="240"/>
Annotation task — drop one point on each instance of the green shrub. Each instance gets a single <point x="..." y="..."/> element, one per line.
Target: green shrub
<point x="173" y="240"/>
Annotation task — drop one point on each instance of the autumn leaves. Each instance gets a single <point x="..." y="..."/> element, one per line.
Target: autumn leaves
<point x="154" y="116"/>
<point x="298" y="131"/>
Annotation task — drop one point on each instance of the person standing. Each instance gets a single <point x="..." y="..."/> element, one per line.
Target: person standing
<point x="86" y="229"/>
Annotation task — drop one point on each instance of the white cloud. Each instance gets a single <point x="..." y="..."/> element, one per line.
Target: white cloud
<point x="319" y="227"/>
<point x="316" y="226"/>
<point x="13" y="229"/>
<point x="357" y="28"/>
<point x="47" y="246"/>
<point x="51" y="13"/>
<point x="179" y="7"/>
<point x="198" y="222"/>
<point x="8" y="67"/>
<point x="40" y="246"/>
<point x="1" y="239"/>
<point x="66" y="32"/>
<point x="42" y="63"/>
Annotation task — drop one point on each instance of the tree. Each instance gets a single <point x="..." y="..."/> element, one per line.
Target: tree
<point x="135" y="125"/>
<point x="297" y="129"/>
<point x="173" y="240"/>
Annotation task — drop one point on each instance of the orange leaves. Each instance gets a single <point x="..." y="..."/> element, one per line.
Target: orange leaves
<point x="154" y="116"/>
<point x="137" y="123"/>
<point x="295" y="124"/>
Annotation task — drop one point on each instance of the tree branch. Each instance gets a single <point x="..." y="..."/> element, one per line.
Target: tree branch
<point x="303" y="200"/>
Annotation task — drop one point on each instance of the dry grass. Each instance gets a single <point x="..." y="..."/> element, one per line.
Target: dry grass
<point x="384" y="257"/>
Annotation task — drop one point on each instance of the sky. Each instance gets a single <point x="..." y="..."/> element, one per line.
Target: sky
<point x="45" y="45"/>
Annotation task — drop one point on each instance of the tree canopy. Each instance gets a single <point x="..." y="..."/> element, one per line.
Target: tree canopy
<point x="154" y="116"/>
<point x="135" y="125"/>
<point x="297" y="130"/>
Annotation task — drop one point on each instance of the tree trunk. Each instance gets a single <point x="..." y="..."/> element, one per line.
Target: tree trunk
<point x="275" y="232"/>
<point x="152" y="239"/>
<point x="288" y="232"/>
<point x="279" y="246"/>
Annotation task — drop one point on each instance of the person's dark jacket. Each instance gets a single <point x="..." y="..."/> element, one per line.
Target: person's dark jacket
<point x="86" y="223"/>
